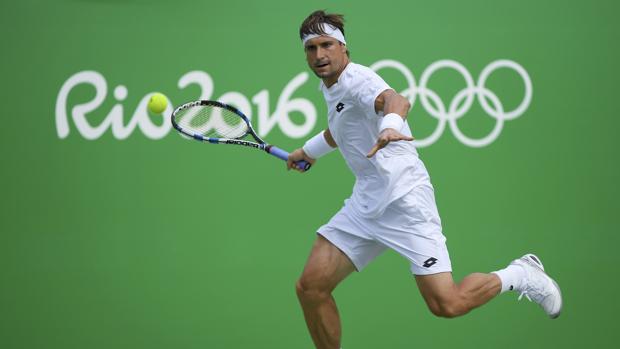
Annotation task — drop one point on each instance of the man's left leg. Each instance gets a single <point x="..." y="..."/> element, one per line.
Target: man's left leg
<point x="525" y="275"/>
<point x="448" y="299"/>
<point x="411" y="226"/>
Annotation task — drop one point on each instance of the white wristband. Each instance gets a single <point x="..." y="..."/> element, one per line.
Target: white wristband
<point x="392" y="120"/>
<point x="317" y="146"/>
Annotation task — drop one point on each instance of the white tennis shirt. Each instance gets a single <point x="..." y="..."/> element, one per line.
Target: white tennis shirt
<point x="393" y="171"/>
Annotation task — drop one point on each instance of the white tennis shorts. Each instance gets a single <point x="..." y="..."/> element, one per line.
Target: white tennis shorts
<point x="410" y="226"/>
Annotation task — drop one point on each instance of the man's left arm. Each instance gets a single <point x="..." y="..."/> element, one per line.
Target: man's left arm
<point x="395" y="108"/>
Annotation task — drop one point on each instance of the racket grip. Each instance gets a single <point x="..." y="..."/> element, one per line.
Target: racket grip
<point x="283" y="154"/>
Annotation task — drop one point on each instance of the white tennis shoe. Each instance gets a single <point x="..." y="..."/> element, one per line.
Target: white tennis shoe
<point x="538" y="287"/>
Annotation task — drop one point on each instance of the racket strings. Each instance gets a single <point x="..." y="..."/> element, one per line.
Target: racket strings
<point x="212" y="122"/>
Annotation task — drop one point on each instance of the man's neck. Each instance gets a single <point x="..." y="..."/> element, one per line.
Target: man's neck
<point x="329" y="82"/>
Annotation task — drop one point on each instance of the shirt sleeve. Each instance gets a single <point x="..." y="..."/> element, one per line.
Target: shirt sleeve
<point x="370" y="86"/>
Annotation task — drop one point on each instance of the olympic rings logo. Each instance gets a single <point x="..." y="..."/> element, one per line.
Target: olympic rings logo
<point x="463" y="100"/>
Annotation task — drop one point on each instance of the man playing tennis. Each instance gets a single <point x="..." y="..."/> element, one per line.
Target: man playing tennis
<point x="392" y="204"/>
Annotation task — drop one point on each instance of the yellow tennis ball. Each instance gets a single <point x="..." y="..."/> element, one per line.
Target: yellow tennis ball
<point x="157" y="103"/>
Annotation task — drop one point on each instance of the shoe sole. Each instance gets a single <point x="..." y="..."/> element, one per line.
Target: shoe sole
<point x="555" y="316"/>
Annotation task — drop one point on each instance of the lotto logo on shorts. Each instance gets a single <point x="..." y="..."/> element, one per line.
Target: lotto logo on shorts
<point x="429" y="262"/>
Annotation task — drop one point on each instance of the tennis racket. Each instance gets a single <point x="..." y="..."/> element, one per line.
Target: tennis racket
<point x="218" y="123"/>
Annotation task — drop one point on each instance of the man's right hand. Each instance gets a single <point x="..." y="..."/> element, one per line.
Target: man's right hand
<point x="298" y="155"/>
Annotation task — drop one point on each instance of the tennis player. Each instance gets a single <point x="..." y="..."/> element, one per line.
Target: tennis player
<point x="392" y="205"/>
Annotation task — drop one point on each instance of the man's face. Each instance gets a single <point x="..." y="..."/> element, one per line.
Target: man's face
<point x="327" y="57"/>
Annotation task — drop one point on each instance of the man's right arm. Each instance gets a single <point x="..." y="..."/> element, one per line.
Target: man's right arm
<point x="330" y="140"/>
<point x="300" y="154"/>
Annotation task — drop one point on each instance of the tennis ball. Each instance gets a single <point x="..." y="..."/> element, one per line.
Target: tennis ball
<point x="157" y="103"/>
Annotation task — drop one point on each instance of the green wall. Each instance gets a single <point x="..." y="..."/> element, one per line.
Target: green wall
<point x="142" y="239"/>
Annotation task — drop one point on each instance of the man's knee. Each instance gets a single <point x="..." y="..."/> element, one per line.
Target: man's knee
<point x="311" y="291"/>
<point x="446" y="310"/>
<point x="447" y="307"/>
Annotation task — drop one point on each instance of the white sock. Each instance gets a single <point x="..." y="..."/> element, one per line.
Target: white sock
<point x="510" y="277"/>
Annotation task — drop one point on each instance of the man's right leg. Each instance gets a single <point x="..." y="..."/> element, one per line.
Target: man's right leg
<point x="325" y="268"/>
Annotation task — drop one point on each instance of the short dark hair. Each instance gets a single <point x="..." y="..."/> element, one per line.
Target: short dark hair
<point x="313" y="23"/>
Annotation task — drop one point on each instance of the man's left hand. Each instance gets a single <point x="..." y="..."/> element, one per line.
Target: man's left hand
<point x="386" y="136"/>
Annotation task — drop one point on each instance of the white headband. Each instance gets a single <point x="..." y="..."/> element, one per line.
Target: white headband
<point x="330" y="31"/>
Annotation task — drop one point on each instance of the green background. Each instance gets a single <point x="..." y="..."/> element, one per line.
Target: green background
<point x="168" y="243"/>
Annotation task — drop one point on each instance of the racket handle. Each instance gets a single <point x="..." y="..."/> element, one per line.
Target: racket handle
<point x="283" y="154"/>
